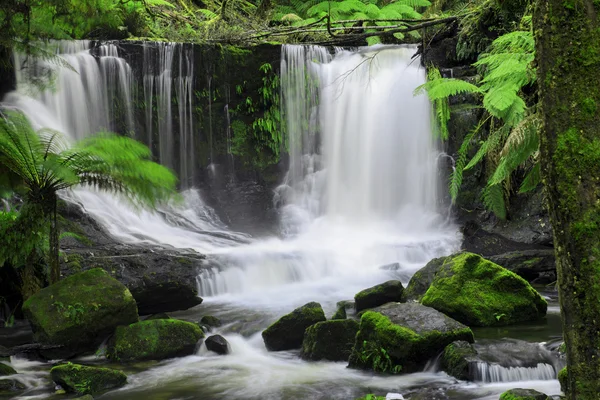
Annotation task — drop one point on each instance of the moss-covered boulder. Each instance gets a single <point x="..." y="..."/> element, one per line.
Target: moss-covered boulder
<point x="87" y="380"/>
<point x="80" y="311"/>
<point x="288" y="332"/>
<point x="6" y="369"/>
<point x="523" y="394"/>
<point x="456" y="359"/>
<point x="10" y="385"/>
<point x="340" y="313"/>
<point x="422" y="279"/>
<point x="154" y="340"/>
<point x="563" y="379"/>
<point x="329" y="340"/>
<point x="401" y="337"/>
<point x="378" y="295"/>
<point x="477" y="292"/>
<point x="209" y="320"/>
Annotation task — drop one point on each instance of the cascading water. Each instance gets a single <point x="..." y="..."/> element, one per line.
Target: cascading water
<point x="361" y="191"/>
<point x="94" y="94"/>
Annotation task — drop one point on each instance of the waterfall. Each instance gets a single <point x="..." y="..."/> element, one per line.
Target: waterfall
<point x="94" y="93"/>
<point x="492" y="373"/>
<point x="361" y="189"/>
<point x="169" y="75"/>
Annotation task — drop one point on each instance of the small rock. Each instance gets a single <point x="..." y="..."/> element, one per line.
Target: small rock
<point x="456" y="358"/>
<point x="523" y="394"/>
<point x="288" y="332"/>
<point x="340" y="313"/>
<point x="6" y="369"/>
<point x="8" y="385"/>
<point x="390" y="291"/>
<point x="329" y="340"/>
<point x="153" y="340"/>
<point x="211" y="321"/>
<point x="390" y="267"/>
<point x="87" y="380"/>
<point x="217" y="344"/>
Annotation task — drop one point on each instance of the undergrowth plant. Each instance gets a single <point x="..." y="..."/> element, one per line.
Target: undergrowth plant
<point x="506" y="72"/>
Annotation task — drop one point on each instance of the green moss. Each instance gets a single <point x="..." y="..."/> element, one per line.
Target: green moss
<point x="378" y="295"/>
<point x="6" y="370"/>
<point x="455" y="359"/>
<point x="87" y="380"/>
<point x="209" y="320"/>
<point x="340" y="313"/>
<point x="80" y="310"/>
<point x="154" y="340"/>
<point x="478" y="292"/>
<point x="288" y="332"/>
<point x="329" y="340"/>
<point x="523" y="394"/>
<point x="371" y="397"/>
<point x="563" y="379"/>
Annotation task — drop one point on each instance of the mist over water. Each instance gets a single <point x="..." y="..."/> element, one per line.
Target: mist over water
<point x="362" y="192"/>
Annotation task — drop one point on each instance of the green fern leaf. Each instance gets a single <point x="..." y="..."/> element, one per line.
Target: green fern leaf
<point x="493" y="200"/>
<point x="532" y="179"/>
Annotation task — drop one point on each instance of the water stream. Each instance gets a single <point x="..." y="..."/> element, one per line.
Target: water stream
<point x="363" y="190"/>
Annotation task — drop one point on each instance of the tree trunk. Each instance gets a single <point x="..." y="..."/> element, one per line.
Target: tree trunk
<point x="568" y="53"/>
<point x="54" y="246"/>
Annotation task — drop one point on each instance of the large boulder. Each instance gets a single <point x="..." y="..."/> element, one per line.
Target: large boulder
<point x="155" y="339"/>
<point x="529" y="264"/>
<point x="457" y="357"/>
<point x="523" y="394"/>
<point x="79" y="312"/>
<point x="329" y="340"/>
<point x="82" y="379"/>
<point x="378" y="295"/>
<point x="421" y="280"/>
<point x="10" y="385"/>
<point x="478" y="292"/>
<point x="288" y="332"/>
<point x="401" y="337"/>
<point x="160" y="280"/>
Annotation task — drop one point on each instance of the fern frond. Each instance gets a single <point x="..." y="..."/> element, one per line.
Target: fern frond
<point x="493" y="200"/>
<point x="532" y="179"/>
<point x="491" y="142"/>
<point x="440" y="88"/>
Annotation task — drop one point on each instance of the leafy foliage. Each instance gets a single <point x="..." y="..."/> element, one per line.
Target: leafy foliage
<point x="512" y="141"/>
<point x="45" y="164"/>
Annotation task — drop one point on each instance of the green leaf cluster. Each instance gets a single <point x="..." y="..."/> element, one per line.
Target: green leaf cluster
<point x="507" y="70"/>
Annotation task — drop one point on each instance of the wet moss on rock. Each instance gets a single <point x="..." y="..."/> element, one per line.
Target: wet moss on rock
<point x="477" y="292"/>
<point x="83" y="379"/>
<point x="154" y="340"/>
<point x="288" y="332"/>
<point x="456" y="359"/>
<point x="523" y="394"/>
<point x="329" y="340"/>
<point x="340" y="313"/>
<point x="6" y="369"/>
<point x="402" y="337"/>
<point x="78" y="312"/>
<point x="378" y="295"/>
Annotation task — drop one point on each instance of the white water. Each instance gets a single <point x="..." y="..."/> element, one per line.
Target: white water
<point x="361" y="192"/>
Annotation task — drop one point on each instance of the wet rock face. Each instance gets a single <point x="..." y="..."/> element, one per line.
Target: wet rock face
<point x="401" y="337"/>
<point x="478" y="292"/>
<point x="217" y="344"/>
<point x="82" y="379"/>
<point x="456" y="359"/>
<point x="153" y="340"/>
<point x="329" y="340"/>
<point x="78" y="312"/>
<point x="288" y="332"/>
<point x="421" y="280"/>
<point x="378" y="295"/>
<point x="523" y="394"/>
